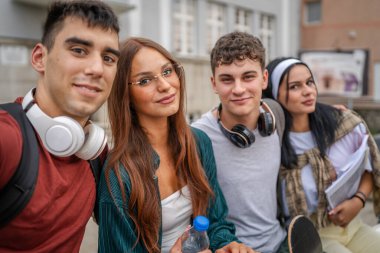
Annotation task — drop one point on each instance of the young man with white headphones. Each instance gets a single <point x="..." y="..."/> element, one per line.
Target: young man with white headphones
<point x="76" y="64"/>
<point x="246" y="138"/>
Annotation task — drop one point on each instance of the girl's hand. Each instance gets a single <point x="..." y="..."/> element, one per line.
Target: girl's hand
<point x="177" y="247"/>
<point x="343" y="214"/>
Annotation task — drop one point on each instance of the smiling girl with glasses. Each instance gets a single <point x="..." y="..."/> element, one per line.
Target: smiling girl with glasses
<point x="161" y="173"/>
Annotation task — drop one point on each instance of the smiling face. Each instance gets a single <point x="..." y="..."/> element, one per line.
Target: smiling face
<point x="77" y="73"/>
<point x="299" y="95"/>
<point x="154" y="86"/>
<point x="239" y="86"/>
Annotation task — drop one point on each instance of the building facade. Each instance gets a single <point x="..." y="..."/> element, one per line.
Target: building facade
<point x="190" y="28"/>
<point x="187" y="28"/>
<point x="347" y="26"/>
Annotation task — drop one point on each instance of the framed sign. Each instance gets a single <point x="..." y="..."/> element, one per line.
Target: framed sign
<point x="342" y="73"/>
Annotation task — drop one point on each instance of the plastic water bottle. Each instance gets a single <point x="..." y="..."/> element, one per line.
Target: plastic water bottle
<point x="196" y="239"/>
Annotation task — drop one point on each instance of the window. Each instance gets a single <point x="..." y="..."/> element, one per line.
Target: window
<point x="267" y="35"/>
<point x="216" y="23"/>
<point x="242" y="20"/>
<point x="313" y="12"/>
<point x="184" y="26"/>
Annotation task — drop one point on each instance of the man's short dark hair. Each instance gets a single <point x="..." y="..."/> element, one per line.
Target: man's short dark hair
<point x="95" y="12"/>
<point x="237" y="46"/>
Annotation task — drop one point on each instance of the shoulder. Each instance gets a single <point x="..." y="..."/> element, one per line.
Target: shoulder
<point x="203" y="143"/>
<point x="10" y="130"/>
<point x="349" y="115"/>
<point x="347" y="122"/>
<point x="208" y="123"/>
<point x="205" y="120"/>
<point x="10" y="146"/>
<point x="272" y="103"/>
<point x="205" y="150"/>
<point x="109" y="188"/>
<point x="198" y="133"/>
<point x="352" y="122"/>
<point x="8" y="122"/>
<point x="200" y="136"/>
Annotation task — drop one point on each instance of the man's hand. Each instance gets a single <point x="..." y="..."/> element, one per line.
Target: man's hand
<point x="235" y="247"/>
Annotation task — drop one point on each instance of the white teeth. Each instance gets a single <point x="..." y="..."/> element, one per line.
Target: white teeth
<point x="85" y="88"/>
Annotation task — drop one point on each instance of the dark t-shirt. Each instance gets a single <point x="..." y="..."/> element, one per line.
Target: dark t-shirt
<point x="55" y="218"/>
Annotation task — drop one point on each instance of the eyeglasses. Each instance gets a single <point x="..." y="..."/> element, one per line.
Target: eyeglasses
<point x="171" y="72"/>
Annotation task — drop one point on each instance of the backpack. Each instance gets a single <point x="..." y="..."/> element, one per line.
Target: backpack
<point x="17" y="192"/>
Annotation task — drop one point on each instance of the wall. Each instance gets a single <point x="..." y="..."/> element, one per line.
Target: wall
<point x="347" y="24"/>
<point x="21" y="21"/>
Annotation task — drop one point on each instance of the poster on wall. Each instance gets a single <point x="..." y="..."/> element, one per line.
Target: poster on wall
<point x="341" y="73"/>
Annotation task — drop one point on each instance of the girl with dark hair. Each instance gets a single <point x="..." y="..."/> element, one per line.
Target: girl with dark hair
<point x="317" y="144"/>
<point x="160" y="173"/>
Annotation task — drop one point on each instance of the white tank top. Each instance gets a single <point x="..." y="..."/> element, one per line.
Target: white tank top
<point x="176" y="214"/>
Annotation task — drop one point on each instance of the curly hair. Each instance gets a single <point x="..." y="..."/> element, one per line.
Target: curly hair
<point x="237" y="46"/>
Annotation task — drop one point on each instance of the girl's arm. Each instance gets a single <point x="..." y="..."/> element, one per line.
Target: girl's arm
<point x="348" y="209"/>
<point x="116" y="229"/>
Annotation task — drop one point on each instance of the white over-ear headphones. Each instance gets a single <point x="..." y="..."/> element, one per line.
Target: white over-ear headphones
<point x="63" y="136"/>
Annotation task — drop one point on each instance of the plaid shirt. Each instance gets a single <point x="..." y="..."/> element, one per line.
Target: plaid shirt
<point x="322" y="169"/>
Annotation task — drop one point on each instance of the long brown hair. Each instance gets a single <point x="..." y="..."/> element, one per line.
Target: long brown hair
<point x="133" y="151"/>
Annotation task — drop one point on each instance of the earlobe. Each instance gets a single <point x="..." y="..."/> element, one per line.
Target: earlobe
<point x="39" y="53"/>
<point x="265" y="79"/>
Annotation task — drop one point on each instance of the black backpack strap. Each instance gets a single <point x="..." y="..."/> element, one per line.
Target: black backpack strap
<point x="96" y="167"/>
<point x="15" y="195"/>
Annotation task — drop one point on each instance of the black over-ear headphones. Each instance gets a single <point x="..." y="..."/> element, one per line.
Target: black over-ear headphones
<point x="243" y="137"/>
<point x="63" y="136"/>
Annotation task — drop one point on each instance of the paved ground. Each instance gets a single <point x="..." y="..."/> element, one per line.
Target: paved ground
<point x="89" y="244"/>
<point x="90" y="241"/>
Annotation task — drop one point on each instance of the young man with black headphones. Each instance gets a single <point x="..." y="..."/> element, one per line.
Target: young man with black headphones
<point x="76" y="65"/>
<point x="246" y="140"/>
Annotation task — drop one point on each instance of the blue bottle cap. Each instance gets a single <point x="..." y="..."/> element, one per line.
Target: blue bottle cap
<point x="201" y="223"/>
